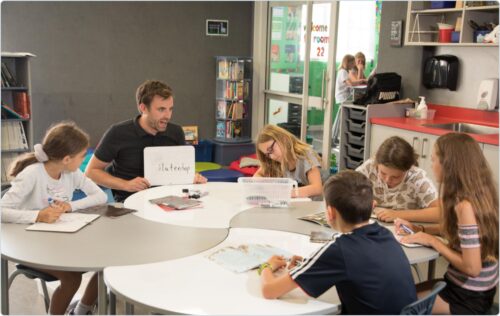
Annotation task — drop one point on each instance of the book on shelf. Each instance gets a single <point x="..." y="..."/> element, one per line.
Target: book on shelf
<point x="8" y="76"/>
<point x="238" y="111"/>
<point x="221" y="109"/>
<point x="13" y="136"/>
<point x="223" y="69"/>
<point x="9" y="113"/>
<point x="220" y="129"/>
<point x="22" y="104"/>
<point x="67" y="223"/>
<point x="191" y="134"/>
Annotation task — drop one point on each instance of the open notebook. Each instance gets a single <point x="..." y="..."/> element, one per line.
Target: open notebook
<point x="67" y="223"/>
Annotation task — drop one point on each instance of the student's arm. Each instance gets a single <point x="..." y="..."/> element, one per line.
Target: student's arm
<point x="94" y="194"/>
<point x="469" y="260"/>
<point x="430" y="214"/>
<point x="272" y="286"/>
<point x="95" y="171"/>
<point x="20" y="191"/>
<point x="258" y="173"/>
<point x="315" y="186"/>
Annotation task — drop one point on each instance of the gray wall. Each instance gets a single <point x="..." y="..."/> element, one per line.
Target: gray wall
<point x="91" y="56"/>
<point x="405" y="60"/>
<point x="476" y="63"/>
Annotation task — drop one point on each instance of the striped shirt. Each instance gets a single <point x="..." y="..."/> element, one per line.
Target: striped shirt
<point x="487" y="278"/>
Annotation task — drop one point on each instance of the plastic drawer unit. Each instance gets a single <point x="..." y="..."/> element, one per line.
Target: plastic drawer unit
<point x="356" y="139"/>
<point x="355" y="151"/>
<point x="357" y="127"/>
<point x="352" y="163"/>
<point x="357" y="114"/>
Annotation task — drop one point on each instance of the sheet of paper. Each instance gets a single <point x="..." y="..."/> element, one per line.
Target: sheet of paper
<point x="67" y="223"/>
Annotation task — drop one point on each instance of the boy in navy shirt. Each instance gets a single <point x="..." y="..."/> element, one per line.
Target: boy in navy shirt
<point x="364" y="261"/>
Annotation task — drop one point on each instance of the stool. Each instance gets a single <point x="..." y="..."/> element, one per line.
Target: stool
<point x="204" y="166"/>
<point x="221" y="175"/>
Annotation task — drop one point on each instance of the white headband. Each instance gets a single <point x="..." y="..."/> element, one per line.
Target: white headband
<point x="40" y="155"/>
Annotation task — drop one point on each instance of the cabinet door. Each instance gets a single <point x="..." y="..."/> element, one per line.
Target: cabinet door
<point x="427" y="142"/>
<point x="380" y="133"/>
<point x="491" y="154"/>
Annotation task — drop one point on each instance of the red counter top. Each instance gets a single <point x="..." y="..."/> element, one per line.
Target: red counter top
<point x="446" y="114"/>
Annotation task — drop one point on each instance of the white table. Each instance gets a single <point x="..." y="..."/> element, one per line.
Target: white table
<point x="127" y="240"/>
<point x="197" y="285"/>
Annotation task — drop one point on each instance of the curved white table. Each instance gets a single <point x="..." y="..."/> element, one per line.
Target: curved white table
<point x="197" y="285"/>
<point x="127" y="240"/>
<point x="219" y="206"/>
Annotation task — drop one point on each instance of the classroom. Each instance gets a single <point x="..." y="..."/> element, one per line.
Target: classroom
<point x="249" y="157"/>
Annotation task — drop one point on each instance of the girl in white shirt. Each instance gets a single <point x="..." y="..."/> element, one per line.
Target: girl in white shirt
<point x="344" y="83"/>
<point x="42" y="190"/>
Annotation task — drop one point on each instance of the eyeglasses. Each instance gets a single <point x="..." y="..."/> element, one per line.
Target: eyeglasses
<point x="270" y="149"/>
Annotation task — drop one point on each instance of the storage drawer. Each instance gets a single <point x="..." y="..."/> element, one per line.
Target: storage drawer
<point x="293" y="106"/>
<point x="355" y="138"/>
<point x="355" y="151"/>
<point x="356" y="114"/>
<point x="352" y="163"/>
<point x="358" y="127"/>
<point x="294" y="120"/>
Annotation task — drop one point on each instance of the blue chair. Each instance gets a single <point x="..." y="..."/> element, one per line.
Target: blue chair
<point x="222" y="175"/>
<point x="424" y="305"/>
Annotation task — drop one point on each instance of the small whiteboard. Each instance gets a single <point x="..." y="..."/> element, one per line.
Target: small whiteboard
<point x="169" y="165"/>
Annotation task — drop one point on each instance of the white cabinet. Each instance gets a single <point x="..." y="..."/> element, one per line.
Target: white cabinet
<point x="491" y="154"/>
<point x="422" y="143"/>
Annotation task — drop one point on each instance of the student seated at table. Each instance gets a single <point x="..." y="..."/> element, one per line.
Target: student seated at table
<point x="469" y="223"/>
<point x="282" y="155"/>
<point x="42" y="190"/>
<point x="364" y="261"/>
<point x="401" y="189"/>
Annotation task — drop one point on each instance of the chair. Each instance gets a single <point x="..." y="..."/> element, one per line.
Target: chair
<point x="424" y="305"/>
<point x="32" y="274"/>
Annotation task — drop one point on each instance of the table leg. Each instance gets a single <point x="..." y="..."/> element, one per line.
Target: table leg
<point x="102" y="299"/>
<point x="112" y="303"/>
<point x="432" y="269"/>
<point x="129" y="308"/>
<point x="5" y="286"/>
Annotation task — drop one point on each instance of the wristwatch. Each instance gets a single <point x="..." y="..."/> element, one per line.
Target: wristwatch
<point x="263" y="266"/>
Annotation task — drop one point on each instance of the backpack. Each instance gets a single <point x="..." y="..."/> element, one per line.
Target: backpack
<point x="381" y="88"/>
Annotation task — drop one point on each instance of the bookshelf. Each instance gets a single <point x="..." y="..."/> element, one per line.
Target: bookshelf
<point x="233" y="99"/>
<point x="16" y="122"/>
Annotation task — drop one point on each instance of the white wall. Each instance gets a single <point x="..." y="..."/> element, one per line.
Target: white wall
<point x="476" y="64"/>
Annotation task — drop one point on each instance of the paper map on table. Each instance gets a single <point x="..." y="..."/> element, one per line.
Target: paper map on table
<point x="246" y="257"/>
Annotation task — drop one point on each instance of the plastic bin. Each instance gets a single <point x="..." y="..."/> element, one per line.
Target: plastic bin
<point x="204" y="151"/>
<point x="358" y="127"/>
<point x="356" y="114"/>
<point x="355" y="151"/>
<point x="442" y="4"/>
<point x="356" y="139"/>
<point x="352" y="163"/>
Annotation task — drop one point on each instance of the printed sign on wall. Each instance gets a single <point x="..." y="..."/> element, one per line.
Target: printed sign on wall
<point x="169" y="165"/>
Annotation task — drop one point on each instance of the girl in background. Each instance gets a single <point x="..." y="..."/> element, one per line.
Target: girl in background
<point x="357" y="72"/>
<point x="42" y="190"/>
<point x="344" y="83"/>
<point x="281" y="154"/>
<point x="469" y="223"/>
<point x="400" y="188"/>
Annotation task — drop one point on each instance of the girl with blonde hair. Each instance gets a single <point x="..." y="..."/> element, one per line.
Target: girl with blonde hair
<point x="469" y="223"/>
<point x="42" y="191"/>
<point x="281" y="154"/>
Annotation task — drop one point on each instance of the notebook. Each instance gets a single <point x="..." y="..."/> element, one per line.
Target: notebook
<point x="67" y="223"/>
<point x="176" y="202"/>
<point x="106" y="210"/>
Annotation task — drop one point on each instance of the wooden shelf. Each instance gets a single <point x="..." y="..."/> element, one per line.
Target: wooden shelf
<point x="436" y="11"/>
<point x="491" y="8"/>
<point x="451" y="44"/>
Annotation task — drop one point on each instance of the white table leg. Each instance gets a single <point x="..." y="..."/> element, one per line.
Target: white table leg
<point x="102" y="300"/>
<point x="5" y="287"/>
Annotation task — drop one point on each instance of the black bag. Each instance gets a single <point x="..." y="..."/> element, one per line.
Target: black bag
<point x="381" y="88"/>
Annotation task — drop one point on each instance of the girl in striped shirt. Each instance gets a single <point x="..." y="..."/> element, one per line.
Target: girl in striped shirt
<point x="469" y="222"/>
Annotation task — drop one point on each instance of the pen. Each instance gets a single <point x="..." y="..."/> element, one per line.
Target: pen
<point x="50" y="200"/>
<point x="407" y="229"/>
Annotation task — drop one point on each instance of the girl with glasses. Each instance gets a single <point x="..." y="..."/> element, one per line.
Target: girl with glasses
<point x="282" y="155"/>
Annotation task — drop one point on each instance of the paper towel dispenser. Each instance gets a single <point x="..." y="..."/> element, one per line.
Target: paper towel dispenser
<point x="441" y="72"/>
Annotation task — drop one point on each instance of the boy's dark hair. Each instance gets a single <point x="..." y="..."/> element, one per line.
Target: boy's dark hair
<point x="351" y="193"/>
<point x="397" y="153"/>
<point x="149" y="89"/>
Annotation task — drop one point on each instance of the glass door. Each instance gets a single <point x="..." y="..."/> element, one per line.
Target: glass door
<point x="300" y="70"/>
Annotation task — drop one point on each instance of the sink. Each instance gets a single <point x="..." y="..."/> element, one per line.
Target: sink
<point x="465" y="128"/>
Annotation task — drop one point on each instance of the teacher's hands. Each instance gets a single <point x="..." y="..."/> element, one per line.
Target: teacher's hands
<point x="136" y="184"/>
<point x="199" y="179"/>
